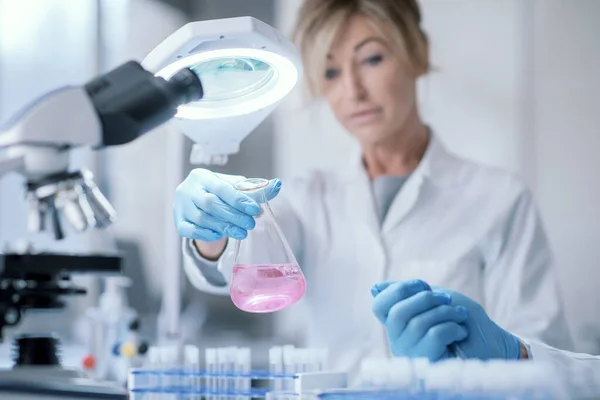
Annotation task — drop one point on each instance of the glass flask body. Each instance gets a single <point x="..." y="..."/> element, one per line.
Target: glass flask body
<point x="266" y="276"/>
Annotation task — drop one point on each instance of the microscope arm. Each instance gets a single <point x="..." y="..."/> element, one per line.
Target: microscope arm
<point x="113" y="109"/>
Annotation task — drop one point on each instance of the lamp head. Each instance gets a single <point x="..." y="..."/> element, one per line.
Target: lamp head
<point x="246" y="68"/>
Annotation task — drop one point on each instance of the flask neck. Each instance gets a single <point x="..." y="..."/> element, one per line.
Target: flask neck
<point x="265" y="210"/>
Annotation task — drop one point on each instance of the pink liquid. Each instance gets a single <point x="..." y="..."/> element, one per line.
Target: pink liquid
<point x="266" y="288"/>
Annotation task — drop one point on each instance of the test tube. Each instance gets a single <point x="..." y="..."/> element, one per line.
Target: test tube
<point x="211" y="371"/>
<point x="242" y="368"/>
<point x="299" y="360"/>
<point x="289" y="366"/>
<point x="169" y="357"/>
<point x="323" y="358"/>
<point x="276" y="367"/>
<point x="222" y="370"/>
<point x="153" y="365"/>
<point x="232" y="355"/>
<point x="191" y="370"/>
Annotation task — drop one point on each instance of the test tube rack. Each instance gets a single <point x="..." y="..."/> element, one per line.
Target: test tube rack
<point x="227" y="374"/>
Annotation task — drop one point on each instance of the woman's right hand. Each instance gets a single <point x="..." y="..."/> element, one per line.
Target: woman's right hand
<point x="208" y="208"/>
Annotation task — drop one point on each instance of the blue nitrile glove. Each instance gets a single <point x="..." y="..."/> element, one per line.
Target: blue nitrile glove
<point x="207" y="206"/>
<point x="419" y="322"/>
<point x="486" y="339"/>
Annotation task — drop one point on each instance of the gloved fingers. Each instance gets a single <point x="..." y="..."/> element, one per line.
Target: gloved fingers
<point x="204" y="220"/>
<point x="400" y="313"/>
<point x="381" y="286"/>
<point x="232" y="179"/>
<point x="273" y="189"/>
<point x="393" y="294"/>
<point x="192" y="231"/>
<point x="434" y="344"/>
<point x="418" y="326"/>
<point x="211" y="204"/>
<point x="224" y="189"/>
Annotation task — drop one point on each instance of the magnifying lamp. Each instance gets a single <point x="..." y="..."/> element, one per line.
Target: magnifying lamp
<point x="246" y="68"/>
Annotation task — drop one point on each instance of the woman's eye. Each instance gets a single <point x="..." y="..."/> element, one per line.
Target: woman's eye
<point x="331" y="73"/>
<point x="374" y="60"/>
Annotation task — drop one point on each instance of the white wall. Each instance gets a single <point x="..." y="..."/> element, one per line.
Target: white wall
<point x="516" y="86"/>
<point x="567" y="135"/>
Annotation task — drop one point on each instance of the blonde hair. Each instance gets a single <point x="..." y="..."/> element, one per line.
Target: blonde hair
<point x="320" y="21"/>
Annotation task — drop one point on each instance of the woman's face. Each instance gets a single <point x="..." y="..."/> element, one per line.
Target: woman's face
<point x="370" y="89"/>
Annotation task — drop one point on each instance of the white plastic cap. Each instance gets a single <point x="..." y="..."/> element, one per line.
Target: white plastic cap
<point x="439" y="376"/>
<point x="313" y="359"/>
<point x="232" y="353"/>
<point x="400" y="372"/>
<point x="153" y="355"/>
<point x="244" y="353"/>
<point x="275" y="355"/>
<point x="168" y="354"/>
<point x="419" y="367"/>
<point x="323" y="357"/>
<point x="243" y="357"/>
<point x="289" y="355"/>
<point x="222" y="355"/>
<point x="210" y="355"/>
<point x="472" y="376"/>
<point x="191" y="354"/>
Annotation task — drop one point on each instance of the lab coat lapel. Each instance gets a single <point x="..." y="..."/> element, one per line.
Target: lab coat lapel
<point x="361" y="202"/>
<point x="403" y="203"/>
<point x="436" y="166"/>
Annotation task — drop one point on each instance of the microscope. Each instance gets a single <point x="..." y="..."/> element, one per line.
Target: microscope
<point x="113" y="109"/>
<point x="240" y="69"/>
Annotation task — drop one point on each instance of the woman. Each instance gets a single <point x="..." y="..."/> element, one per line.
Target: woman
<point x="406" y="208"/>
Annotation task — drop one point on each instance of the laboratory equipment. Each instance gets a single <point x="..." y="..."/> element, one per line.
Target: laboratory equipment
<point x="246" y="68"/>
<point x="266" y="276"/>
<point x="227" y="373"/>
<point x="114" y="342"/>
<point x="112" y="109"/>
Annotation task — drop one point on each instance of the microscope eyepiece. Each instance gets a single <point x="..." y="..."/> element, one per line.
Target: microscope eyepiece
<point x="186" y="86"/>
<point x="131" y="101"/>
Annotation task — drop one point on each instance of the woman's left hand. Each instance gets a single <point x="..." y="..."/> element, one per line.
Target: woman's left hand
<point x="486" y="339"/>
<point x="420" y="323"/>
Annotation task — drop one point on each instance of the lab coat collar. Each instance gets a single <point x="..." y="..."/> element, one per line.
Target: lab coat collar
<point x="438" y="166"/>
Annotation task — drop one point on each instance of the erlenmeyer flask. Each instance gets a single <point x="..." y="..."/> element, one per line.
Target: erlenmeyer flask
<point x="266" y="276"/>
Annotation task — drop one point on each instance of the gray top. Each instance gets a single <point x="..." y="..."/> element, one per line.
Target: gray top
<point x="384" y="190"/>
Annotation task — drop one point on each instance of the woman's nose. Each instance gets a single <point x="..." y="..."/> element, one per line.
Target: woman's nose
<point x="353" y="86"/>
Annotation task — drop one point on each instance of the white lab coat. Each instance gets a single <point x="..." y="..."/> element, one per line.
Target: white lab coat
<point x="578" y="373"/>
<point x="454" y="224"/>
